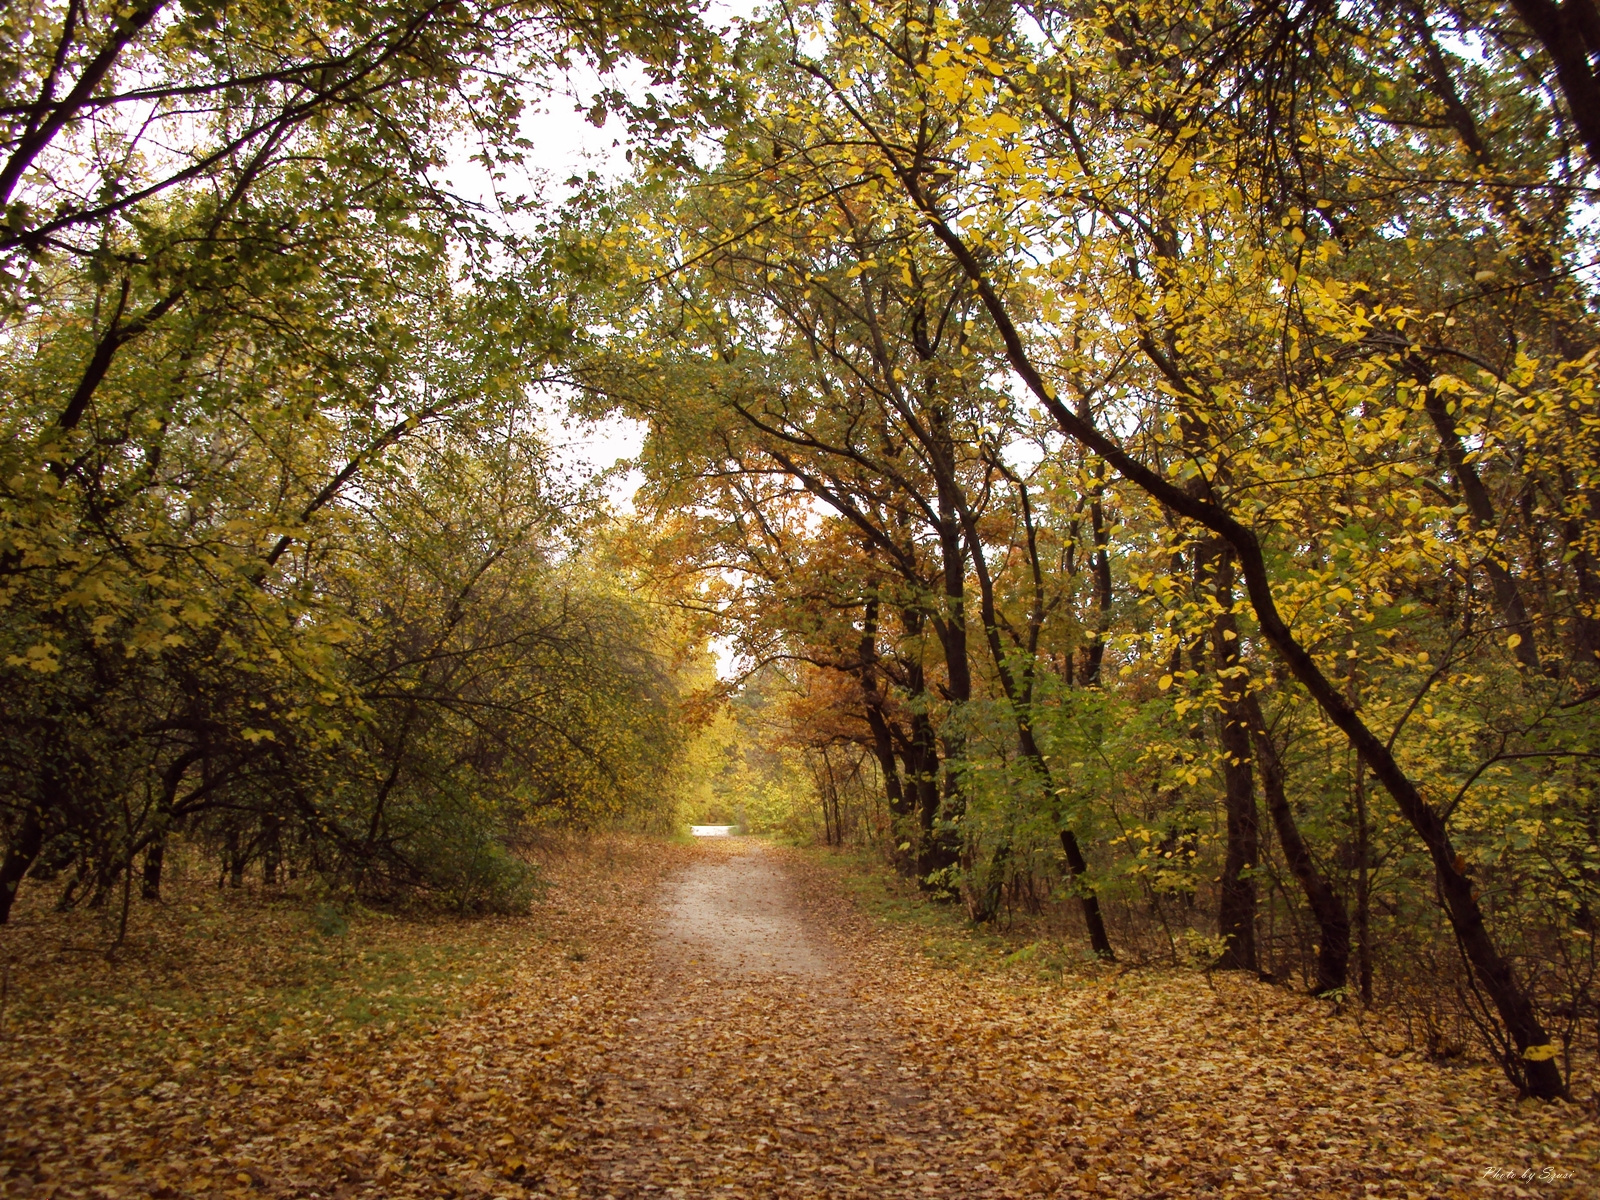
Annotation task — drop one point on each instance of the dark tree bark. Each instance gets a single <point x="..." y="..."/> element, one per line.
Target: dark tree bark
<point x="1019" y="694"/>
<point x="233" y="857"/>
<point x="1236" y="905"/>
<point x="922" y="772"/>
<point x="922" y="768"/>
<point x="1363" y="889"/>
<point x="1327" y="908"/>
<point x="1102" y="591"/>
<point x="156" y="849"/>
<point x="1570" y="33"/>
<point x="945" y="843"/>
<point x="271" y="849"/>
<point x="1507" y="595"/>
<point x="69" y="894"/>
<point x="154" y="858"/>
<point x="883" y="746"/>
<point x="20" y="855"/>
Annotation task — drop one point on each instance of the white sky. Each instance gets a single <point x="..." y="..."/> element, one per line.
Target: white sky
<point x="566" y="144"/>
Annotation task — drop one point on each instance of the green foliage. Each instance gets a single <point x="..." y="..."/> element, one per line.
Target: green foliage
<point x="282" y="566"/>
<point x="329" y="921"/>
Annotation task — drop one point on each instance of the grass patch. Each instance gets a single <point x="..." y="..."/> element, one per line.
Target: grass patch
<point x="223" y="977"/>
<point x="944" y="933"/>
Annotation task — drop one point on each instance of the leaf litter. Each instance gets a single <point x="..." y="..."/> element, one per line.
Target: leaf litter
<point x="703" y="1020"/>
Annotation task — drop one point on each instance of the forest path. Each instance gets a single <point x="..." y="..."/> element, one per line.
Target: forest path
<point x="779" y="1042"/>
<point x="760" y="1064"/>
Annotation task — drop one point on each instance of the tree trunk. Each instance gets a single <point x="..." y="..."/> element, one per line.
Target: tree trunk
<point x="1028" y="746"/>
<point x="105" y="878"/>
<point x="1236" y="902"/>
<point x="69" y="894"/>
<point x="156" y="852"/>
<point x="1236" y="905"/>
<point x="24" y="848"/>
<point x="1088" y="900"/>
<point x="921" y="756"/>
<point x="922" y="774"/>
<point x="983" y="902"/>
<point x="1363" y="892"/>
<point x="1102" y="592"/>
<point x="271" y="851"/>
<point x="900" y="806"/>
<point x="233" y="857"/>
<point x="1570" y="33"/>
<point x="1507" y="595"/>
<point x="1327" y="909"/>
<point x="154" y="857"/>
<point x="945" y="842"/>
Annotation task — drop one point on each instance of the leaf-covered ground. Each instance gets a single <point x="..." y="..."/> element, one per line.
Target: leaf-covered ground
<point x="694" y="1021"/>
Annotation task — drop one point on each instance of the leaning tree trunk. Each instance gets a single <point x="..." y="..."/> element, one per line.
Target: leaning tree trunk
<point x="1028" y="746"/>
<point x="1327" y="909"/>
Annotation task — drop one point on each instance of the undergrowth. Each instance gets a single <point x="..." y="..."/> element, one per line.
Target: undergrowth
<point x="948" y="938"/>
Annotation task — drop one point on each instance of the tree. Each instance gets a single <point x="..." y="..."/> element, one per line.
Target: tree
<point x="213" y="359"/>
<point x="1326" y="330"/>
<point x="1164" y="243"/>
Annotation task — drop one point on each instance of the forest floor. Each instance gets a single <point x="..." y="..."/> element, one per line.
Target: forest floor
<point x="719" y="1019"/>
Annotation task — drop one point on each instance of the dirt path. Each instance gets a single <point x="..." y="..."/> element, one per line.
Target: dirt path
<point x="785" y="1046"/>
<point x="758" y="1064"/>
